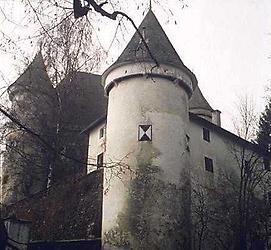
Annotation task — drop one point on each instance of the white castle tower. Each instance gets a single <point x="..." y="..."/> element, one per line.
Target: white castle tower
<point x="146" y="181"/>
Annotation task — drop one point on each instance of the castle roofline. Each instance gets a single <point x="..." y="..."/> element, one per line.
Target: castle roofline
<point x="232" y="137"/>
<point x="83" y="95"/>
<point x="94" y="124"/>
<point x="70" y="76"/>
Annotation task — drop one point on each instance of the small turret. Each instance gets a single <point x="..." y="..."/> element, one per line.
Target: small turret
<point x="198" y="105"/>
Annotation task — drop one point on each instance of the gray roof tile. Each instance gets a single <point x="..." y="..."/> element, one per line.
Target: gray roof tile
<point x="158" y="42"/>
<point x="197" y="101"/>
<point x="161" y="48"/>
<point x="34" y="79"/>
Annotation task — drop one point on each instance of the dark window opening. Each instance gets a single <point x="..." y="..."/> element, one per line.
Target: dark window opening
<point x="206" y="134"/>
<point x="100" y="160"/>
<point x="266" y="164"/>
<point x="101" y="135"/>
<point x="209" y="166"/>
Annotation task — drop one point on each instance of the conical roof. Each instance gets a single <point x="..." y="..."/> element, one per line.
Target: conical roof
<point x="34" y="78"/>
<point x="158" y="43"/>
<point x="198" y="101"/>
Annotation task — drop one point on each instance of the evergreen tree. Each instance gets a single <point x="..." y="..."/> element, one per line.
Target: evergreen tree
<point x="264" y="132"/>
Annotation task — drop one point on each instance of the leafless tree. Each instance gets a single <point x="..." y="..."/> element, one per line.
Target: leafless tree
<point x="68" y="45"/>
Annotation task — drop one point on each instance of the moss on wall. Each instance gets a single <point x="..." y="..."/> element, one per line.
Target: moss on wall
<point x="155" y="217"/>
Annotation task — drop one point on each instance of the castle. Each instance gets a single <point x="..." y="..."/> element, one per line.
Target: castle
<point x="149" y="132"/>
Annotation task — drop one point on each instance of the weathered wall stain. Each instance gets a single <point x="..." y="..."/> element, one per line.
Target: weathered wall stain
<point x="155" y="215"/>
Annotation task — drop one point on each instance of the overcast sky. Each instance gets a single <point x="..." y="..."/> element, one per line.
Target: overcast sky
<point x="227" y="44"/>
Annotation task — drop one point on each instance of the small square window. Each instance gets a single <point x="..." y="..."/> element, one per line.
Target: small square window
<point x="101" y="133"/>
<point x="144" y="132"/>
<point x="100" y="160"/>
<point x="209" y="166"/>
<point x="206" y="134"/>
<point x="266" y="164"/>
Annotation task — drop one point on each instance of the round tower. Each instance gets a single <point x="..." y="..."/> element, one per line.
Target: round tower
<point x="146" y="178"/>
<point x="26" y="160"/>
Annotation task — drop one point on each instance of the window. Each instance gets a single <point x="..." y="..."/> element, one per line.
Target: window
<point x="145" y="132"/>
<point x="187" y="139"/>
<point x="100" y="160"/>
<point x="206" y="134"/>
<point x="266" y="164"/>
<point x="209" y="166"/>
<point x="101" y="134"/>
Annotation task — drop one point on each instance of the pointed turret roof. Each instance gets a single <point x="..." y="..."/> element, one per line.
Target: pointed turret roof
<point x="198" y="101"/>
<point x="34" y="78"/>
<point x="158" y="43"/>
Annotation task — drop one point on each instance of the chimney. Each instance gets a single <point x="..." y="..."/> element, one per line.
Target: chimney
<point x="216" y="117"/>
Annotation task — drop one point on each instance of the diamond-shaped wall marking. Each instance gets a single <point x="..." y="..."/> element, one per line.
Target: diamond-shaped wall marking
<point x="145" y="132"/>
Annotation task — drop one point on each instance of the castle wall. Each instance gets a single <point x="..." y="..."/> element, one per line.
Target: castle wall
<point x="225" y="152"/>
<point x="217" y="150"/>
<point x="97" y="146"/>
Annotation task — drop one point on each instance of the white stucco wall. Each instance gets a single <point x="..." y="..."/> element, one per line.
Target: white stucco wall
<point x="96" y="146"/>
<point x="143" y="100"/>
<point x="224" y="151"/>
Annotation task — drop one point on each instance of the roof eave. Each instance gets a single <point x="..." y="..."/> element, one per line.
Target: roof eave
<point x="119" y="64"/>
<point x="228" y="134"/>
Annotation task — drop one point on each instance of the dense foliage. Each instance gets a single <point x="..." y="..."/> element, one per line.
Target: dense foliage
<point x="264" y="133"/>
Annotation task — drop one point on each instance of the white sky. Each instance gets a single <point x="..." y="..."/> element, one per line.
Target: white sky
<point x="226" y="44"/>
